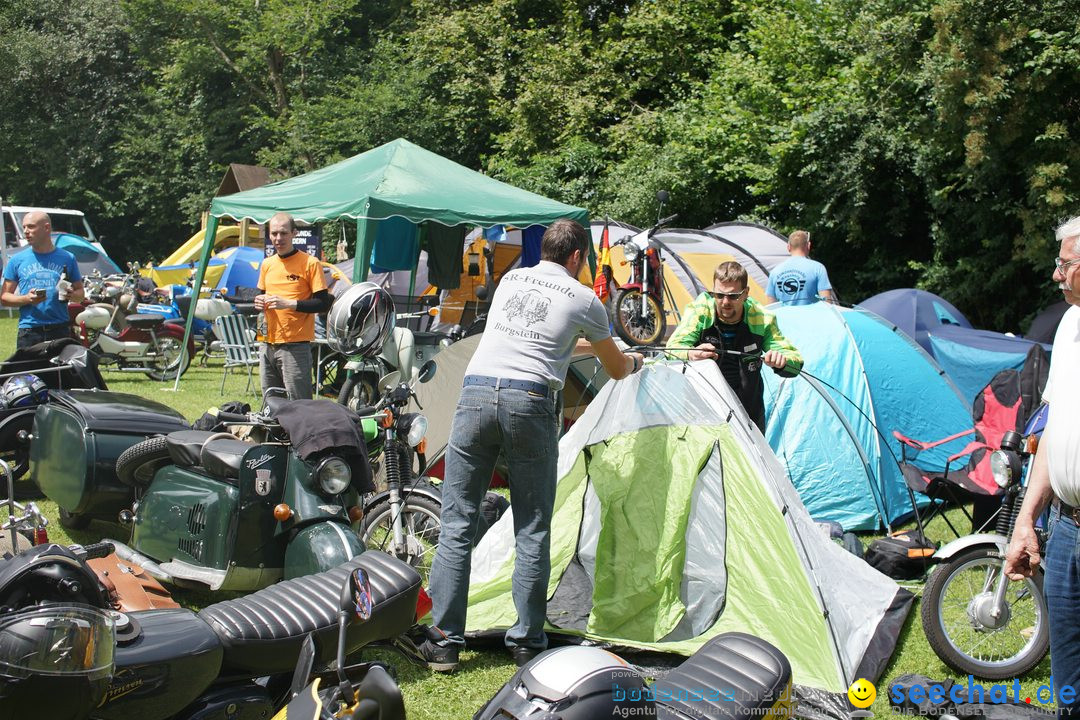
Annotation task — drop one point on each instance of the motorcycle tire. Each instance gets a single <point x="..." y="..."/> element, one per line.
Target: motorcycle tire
<point x="634" y="328"/>
<point x="1007" y="652"/>
<point x="168" y="364"/>
<point x="420" y="523"/>
<point x="73" y="521"/>
<point x="137" y="465"/>
<point x="359" y="390"/>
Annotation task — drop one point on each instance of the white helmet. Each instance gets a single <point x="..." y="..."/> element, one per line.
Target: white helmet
<point x="360" y="320"/>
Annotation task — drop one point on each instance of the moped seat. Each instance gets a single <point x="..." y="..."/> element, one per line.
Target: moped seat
<point x="262" y="632"/>
<point x="221" y="458"/>
<point x="144" y="320"/>
<point x="755" y="677"/>
<point x="185" y="446"/>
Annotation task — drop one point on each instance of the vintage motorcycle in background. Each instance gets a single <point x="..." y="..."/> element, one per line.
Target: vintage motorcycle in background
<point x="126" y="339"/>
<point x="638" y="311"/>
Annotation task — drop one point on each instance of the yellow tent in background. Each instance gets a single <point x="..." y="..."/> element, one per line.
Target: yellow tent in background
<point x="176" y="268"/>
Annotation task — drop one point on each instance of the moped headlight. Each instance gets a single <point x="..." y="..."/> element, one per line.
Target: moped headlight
<point x="630" y="252"/>
<point x="1004" y="466"/>
<point x="417" y="430"/>
<point x="334" y="475"/>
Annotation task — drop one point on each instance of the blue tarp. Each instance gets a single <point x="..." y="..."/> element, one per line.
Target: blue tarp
<point x="833" y="425"/>
<point x="971" y="357"/>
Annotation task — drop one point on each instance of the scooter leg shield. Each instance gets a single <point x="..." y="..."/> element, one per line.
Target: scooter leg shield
<point x="320" y="547"/>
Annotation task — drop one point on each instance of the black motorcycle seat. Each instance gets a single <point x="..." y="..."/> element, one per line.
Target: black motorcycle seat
<point x="185" y="446"/>
<point x="753" y="674"/>
<point x="262" y="632"/>
<point x="144" y="320"/>
<point x="221" y="458"/>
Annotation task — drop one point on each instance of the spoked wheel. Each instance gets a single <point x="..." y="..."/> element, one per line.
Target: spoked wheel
<point x="171" y="359"/>
<point x="635" y="325"/>
<point x="359" y="391"/>
<point x="420" y="527"/>
<point x="958" y="619"/>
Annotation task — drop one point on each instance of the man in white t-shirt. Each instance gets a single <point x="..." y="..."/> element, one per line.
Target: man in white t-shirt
<point x="539" y="317"/>
<point x="1055" y="477"/>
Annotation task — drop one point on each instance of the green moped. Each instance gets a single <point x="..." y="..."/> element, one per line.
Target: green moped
<point x="225" y="513"/>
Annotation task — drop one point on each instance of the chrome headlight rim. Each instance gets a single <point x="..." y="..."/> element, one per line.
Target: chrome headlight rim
<point x="415" y="427"/>
<point x="334" y="475"/>
<point x="1004" y="467"/>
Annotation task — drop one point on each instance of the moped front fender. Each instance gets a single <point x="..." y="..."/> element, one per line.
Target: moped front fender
<point x="950" y="550"/>
<point x="422" y="488"/>
<point x="320" y="546"/>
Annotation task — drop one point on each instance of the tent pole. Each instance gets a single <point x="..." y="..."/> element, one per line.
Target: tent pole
<point x="365" y="240"/>
<point x="204" y="260"/>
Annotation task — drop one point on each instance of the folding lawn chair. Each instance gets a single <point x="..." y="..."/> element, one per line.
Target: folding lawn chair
<point x="1005" y="403"/>
<point x="238" y="343"/>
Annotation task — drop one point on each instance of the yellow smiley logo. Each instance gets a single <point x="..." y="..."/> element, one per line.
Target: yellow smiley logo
<point x="861" y="694"/>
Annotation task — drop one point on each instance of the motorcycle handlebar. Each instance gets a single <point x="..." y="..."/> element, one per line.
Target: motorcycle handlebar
<point x="97" y="550"/>
<point x="233" y="417"/>
<point x="665" y="221"/>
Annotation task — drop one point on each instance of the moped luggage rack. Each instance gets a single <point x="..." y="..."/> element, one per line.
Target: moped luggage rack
<point x="30" y="514"/>
<point x="36" y="371"/>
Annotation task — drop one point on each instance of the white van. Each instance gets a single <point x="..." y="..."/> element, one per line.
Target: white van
<point x="63" y="221"/>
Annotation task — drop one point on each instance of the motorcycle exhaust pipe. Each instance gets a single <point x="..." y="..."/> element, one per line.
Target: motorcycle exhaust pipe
<point x="134" y="557"/>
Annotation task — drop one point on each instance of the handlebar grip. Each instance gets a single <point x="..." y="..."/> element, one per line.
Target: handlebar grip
<point x="233" y="417"/>
<point x="98" y="550"/>
<point x="668" y="219"/>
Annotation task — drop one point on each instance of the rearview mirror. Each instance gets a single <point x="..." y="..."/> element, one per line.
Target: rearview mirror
<point x="360" y="587"/>
<point x="427" y="371"/>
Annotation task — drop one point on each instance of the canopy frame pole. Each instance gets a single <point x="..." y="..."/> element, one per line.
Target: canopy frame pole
<point x="204" y="261"/>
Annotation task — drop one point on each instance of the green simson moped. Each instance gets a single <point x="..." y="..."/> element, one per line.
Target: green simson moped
<point x="226" y="513"/>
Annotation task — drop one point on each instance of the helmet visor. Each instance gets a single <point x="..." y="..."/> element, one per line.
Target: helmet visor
<point x="57" y="640"/>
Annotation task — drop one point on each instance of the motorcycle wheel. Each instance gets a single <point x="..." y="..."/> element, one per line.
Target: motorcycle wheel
<point x="172" y="359"/>
<point x="420" y="524"/>
<point x="953" y="595"/>
<point x="358" y="391"/>
<point x="73" y="521"/>
<point x="136" y="466"/>
<point x="631" y="325"/>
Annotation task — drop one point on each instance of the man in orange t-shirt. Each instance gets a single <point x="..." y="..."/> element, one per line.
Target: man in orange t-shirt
<point x="292" y="292"/>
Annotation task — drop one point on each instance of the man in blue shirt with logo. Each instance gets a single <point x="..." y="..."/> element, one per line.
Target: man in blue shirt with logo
<point x="799" y="280"/>
<point x="32" y="283"/>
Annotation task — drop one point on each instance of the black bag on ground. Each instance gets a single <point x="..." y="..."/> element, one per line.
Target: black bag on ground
<point x="904" y="555"/>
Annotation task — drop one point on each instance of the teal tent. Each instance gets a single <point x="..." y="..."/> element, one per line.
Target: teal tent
<point x="393" y="182"/>
<point x="832" y="426"/>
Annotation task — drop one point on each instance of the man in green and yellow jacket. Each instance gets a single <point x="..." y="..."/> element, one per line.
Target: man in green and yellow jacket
<point x="727" y="326"/>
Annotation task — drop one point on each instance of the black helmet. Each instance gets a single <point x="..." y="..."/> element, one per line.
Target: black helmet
<point x="55" y="660"/>
<point x="360" y="320"/>
<point x="572" y="683"/>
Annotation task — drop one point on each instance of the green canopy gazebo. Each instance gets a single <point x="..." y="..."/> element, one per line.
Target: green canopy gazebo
<point x="398" y="179"/>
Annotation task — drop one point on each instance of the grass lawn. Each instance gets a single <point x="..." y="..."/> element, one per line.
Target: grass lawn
<point x="429" y="696"/>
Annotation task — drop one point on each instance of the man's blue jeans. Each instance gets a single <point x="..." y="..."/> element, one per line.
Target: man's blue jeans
<point x="523" y="426"/>
<point x="1061" y="584"/>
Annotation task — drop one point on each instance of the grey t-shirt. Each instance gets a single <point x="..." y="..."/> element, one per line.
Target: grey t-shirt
<point x="535" y="319"/>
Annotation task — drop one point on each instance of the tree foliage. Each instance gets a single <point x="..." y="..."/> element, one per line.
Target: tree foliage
<point x="924" y="142"/>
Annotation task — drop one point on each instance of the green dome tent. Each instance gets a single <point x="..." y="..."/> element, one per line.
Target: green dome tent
<point x="674" y="522"/>
<point x="395" y="180"/>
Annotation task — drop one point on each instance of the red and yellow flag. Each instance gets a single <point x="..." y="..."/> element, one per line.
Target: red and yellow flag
<point x="602" y="283"/>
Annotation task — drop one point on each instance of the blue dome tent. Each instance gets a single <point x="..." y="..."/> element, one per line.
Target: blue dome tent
<point x="239" y="267"/>
<point x="916" y="312"/>
<point x="832" y="426"/>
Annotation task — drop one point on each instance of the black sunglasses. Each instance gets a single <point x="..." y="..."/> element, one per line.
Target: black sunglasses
<point x="729" y="296"/>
